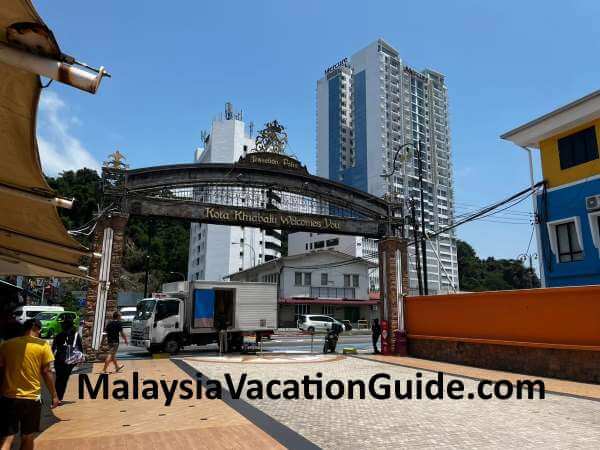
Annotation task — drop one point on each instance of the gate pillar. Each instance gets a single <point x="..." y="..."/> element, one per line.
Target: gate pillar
<point x="393" y="287"/>
<point x="101" y="299"/>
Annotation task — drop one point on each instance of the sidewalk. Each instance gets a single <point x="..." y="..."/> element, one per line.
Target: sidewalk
<point x="146" y="424"/>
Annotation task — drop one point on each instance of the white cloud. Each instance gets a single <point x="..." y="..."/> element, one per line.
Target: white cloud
<point x="59" y="149"/>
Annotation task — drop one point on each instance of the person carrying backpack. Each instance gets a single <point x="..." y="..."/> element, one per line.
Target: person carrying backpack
<point x="68" y="352"/>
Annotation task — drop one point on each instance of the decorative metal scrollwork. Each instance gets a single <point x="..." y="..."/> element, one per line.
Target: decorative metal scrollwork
<point x="273" y="138"/>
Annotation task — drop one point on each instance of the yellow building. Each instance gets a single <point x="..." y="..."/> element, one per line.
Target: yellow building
<point x="568" y="205"/>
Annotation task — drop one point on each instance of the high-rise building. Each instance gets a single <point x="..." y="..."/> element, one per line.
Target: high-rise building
<point x="220" y="250"/>
<point x="368" y="106"/>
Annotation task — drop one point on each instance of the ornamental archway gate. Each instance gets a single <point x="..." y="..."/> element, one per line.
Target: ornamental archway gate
<point x="263" y="190"/>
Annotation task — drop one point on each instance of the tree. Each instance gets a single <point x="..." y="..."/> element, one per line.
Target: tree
<point x="492" y="274"/>
<point x="84" y="186"/>
<point x="165" y="241"/>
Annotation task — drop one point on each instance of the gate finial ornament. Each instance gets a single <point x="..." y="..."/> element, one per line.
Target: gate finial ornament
<point x="273" y="138"/>
<point x="115" y="161"/>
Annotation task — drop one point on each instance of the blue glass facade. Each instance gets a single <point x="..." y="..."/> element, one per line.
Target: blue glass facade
<point x="357" y="176"/>
<point x="564" y="203"/>
<point x="334" y="128"/>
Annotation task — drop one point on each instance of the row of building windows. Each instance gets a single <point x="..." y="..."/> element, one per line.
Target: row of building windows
<point x="305" y="279"/>
<point x="300" y="310"/>
<point x="322" y="244"/>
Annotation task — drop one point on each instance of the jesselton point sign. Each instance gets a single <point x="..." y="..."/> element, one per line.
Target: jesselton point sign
<point x="272" y="161"/>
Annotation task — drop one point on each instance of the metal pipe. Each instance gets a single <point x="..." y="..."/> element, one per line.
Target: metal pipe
<point x="399" y="292"/>
<point x="103" y="287"/>
<point x="536" y="224"/>
<point x="59" y="202"/>
<point x="50" y="68"/>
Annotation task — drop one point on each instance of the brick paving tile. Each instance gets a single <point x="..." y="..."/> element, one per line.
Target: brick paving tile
<point x="148" y="424"/>
<point x="554" y="422"/>
<point x="552" y="384"/>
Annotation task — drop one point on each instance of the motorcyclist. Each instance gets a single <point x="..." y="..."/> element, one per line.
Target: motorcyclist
<point x="331" y="338"/>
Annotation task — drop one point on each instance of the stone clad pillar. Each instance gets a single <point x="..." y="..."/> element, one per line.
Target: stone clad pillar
<point x="117" y="222"/>
<point x="393" y="287"/>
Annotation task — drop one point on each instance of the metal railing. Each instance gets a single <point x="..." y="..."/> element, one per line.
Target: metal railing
<point x="333" y="292"/>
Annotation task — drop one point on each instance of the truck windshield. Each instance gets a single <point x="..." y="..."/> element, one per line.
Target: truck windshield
<point x="145" y="308"/>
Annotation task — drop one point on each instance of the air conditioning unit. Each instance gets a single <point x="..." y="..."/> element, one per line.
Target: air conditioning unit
<point x="592" y="203"/>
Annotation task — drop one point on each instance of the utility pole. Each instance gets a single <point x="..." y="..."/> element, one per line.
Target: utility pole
<point x="416" y="237"/>
<point x="423" y="242"/>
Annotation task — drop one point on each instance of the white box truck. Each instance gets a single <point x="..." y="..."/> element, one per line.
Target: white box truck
<point x="198" y="312"/>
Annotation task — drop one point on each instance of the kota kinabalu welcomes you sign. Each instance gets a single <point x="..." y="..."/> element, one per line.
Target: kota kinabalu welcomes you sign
<point x="271" y="219"/>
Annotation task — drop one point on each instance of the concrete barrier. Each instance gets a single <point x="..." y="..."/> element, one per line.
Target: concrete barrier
<point x="551" y="332"/>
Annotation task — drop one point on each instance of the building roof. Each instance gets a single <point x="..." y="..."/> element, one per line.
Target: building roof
<point x="562" y="119"/>
<point x="299" y="256"/>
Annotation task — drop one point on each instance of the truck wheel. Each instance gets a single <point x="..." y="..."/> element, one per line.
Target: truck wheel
<point x="171" y="346"/>
<point x="154" y="348"/>
<point x="235" y="344"/>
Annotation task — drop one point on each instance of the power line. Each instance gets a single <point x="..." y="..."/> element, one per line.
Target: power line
<point x="486" y="212"/>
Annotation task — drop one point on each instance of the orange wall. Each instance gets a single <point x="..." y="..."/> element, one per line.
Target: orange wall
<point x="554" y="317"/>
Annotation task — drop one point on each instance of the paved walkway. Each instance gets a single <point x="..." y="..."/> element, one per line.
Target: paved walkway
<point x="555" y="422"/>
<point x="147" y="424"/>
<point x="559" y="421"/>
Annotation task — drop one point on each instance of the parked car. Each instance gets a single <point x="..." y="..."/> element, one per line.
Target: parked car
<point x="317" y="322"/>
<point x="127" y="315"/>
<point x="52" y="322"/>
<point x="22" y="313"/>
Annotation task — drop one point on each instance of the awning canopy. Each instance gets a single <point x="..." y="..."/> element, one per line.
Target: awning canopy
<point x="33" y="240"/>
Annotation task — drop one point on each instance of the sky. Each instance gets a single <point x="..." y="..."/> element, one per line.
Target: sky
<point x="175" y="64"/>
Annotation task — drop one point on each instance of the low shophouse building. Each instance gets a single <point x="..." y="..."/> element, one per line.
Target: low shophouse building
<point x="325" y="282"/>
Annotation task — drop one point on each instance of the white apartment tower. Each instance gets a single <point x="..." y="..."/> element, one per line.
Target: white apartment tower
<point x="368" y="106"/>
<point x="219" y="250"/>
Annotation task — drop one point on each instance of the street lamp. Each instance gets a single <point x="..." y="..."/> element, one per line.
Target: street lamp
<point x="419" y="152"/>
<point x="251" y="248"/>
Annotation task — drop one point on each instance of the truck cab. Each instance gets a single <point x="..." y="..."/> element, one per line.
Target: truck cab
<point x="158" y="324"/>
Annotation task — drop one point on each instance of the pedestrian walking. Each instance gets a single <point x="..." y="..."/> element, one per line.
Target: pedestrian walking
<point x="68" y="352"/>
<point x="114" y="329"/>
<point x="24" y="362"/>
<point x="375" y="333"/>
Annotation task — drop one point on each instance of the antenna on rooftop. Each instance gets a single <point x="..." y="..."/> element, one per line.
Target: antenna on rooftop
<point x="228" y="111"/>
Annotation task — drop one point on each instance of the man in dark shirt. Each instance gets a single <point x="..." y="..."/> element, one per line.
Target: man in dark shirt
<point x="375" y="333"/>
<point x="113" y="330"/>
